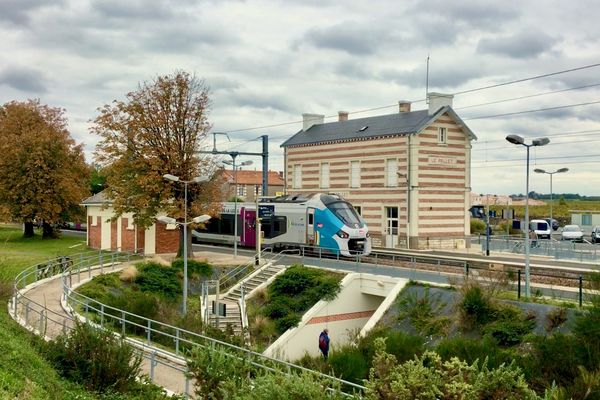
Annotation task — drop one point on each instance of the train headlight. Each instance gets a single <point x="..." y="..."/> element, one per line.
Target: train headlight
<point x="343" y="234"/>
<point x="368" y="235"/>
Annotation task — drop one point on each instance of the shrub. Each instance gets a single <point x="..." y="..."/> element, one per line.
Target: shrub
<point x="95" y="359"/>
<point x="509" y="332"/>
<point x="213" y="368"/>
<point x="156" y="278"/>
<point x="423" y="312"/>
<point x="556" y="318"/>
<point x="477" y="226"/>
<point x="195" y="267"/>
<point x="401" y="345"/>
<point x="349" y="364"/>
<point x="475" y="306"/>
<point x="471" y="350"/>
<point x="428" y="377"/>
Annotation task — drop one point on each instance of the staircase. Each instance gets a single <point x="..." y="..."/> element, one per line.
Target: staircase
<point x="233" y="318"/>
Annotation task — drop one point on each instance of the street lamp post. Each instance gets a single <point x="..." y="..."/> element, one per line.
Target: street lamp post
<point x="519" y="140"/>
<point x="235" y="216"/>
<point x="558" y="171"/>
<point x="197" y="220"/>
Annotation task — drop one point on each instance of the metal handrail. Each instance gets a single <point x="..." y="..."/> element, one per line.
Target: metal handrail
<point x="152" y="326"/>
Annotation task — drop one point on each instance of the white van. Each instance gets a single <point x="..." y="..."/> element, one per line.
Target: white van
<point x="541" y="228"/>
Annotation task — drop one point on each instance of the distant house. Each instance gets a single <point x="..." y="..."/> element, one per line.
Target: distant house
<point x="490" y="199"/>
<point x="408" y="174"/>
<point x="586" y="219"/>
<point x="249" y="183"/>
<point x="121" y="234"/>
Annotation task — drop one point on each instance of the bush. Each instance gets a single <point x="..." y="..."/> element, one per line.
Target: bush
<point x="95" y="359"/>
<point x="423" y="312"/>
<point x="475" y="307"/>
<point x="157" y="278"/>
<point x="509" y="332"/>
<point x="471" y="350"/>
<point x="194" y="267"/>
<point x="555" y="318"/>
<point x="401" y="345"/>
<point x="477" y="226"/>
<point x="349" y="364"/>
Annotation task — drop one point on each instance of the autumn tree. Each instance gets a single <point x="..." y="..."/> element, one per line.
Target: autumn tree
<point x="43" y="174"/>
<point x="158" y="129"/>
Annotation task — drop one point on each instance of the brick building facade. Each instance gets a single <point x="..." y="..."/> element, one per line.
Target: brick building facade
<point x="122" y="234"/>
<point x="408" y="174"/>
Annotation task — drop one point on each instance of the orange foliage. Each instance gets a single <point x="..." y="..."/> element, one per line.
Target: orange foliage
<point x="158" y="130"/>
<point x="43" y="174"/>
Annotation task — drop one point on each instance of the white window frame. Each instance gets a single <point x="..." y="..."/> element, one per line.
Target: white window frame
<point x="297" y="176"/>
<point x="241" y="190"/>
<point x="442" y="135"/>
<point x="391" y="174"/>
<point x="354" y="174"/>
<point x="324" y="175"/>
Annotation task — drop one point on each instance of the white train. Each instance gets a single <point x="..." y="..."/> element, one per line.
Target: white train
<point x="322" y="220"/>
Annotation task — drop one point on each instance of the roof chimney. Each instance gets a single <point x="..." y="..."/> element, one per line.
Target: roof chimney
<point x="309" y="120"/>
<point x="438" y="100"/>
<point x="404" y="106"/>
<point x="343" y="115"/>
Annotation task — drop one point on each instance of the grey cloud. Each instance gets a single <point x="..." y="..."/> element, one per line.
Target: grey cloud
<point x="259" y="100"/>
<point x="525" y="44"/>
<point x="349" y="37"/>
<point x="17" y="11"/>
<point x="23" y="79"/>
<point x="353" y="69"/>
<point x="450" y="76"/>
<point x="133" y="9"/>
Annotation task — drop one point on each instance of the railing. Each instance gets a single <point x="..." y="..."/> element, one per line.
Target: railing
<point x="157" y="335"/>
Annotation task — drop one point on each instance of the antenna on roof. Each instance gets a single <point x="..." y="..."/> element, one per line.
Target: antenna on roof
<point x="427" y="82"/>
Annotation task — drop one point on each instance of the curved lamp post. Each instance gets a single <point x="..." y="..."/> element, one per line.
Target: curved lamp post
<point x="558" y="171"/>
<point x="519" y="140"/>
<point x="185" y="223"/>
<point x="235" y="216"/>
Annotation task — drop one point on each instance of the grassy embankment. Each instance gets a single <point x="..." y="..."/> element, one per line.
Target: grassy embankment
<point x="24" y="374"/>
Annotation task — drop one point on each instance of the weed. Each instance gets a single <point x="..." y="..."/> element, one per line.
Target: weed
<point x="555" y="318"/>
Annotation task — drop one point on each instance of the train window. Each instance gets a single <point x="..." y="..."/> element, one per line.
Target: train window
<point x="274" y="226"/>
<point x="226" y="224"/>
<point x="311" y="219"/>
<point x="346" y="213"/>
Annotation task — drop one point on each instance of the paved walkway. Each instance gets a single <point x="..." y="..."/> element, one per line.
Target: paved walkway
<point x="42" y="312"/>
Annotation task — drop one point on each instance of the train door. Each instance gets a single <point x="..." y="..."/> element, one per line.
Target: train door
<point x="391" y="230"/>
<point x="249" y="228"/>
<point x="310" y="226"/>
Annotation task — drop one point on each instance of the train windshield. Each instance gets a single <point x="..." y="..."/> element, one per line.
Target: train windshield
<point x="346" y="213"/>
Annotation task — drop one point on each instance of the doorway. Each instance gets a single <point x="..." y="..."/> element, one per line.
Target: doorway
<point x="391" y="226"/>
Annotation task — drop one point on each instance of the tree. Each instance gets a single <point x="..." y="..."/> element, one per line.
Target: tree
<point x="158" y="130"/>
<point x="43" y="174"/>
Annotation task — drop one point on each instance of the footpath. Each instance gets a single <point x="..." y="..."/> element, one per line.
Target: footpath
<point x="40" y="310"/>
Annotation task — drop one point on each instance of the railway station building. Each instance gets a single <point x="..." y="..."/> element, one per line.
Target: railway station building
<point x="407" y="173"/>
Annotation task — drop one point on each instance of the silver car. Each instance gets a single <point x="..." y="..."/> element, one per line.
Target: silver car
<point x="572" y="232"/>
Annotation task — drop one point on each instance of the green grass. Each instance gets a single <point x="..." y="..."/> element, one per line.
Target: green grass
<point x="24" y="374"/>
<point x="20" y="253"/>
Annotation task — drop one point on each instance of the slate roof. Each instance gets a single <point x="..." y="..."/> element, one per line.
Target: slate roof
<point x="404" y="123"/>
<point x="97" y="199"/>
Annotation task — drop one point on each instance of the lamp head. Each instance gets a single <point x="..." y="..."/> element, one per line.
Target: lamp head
<point x="249" y="162"/>
<point x="167" y="220"/>
<point x="171" y="177"/>
<point x="200" y="179"/>
<point x="200" y="219"/>
<point x="515" y="139"/>
<point x="563" y="170"/>
<point x="540" y="141"/>
<point x="539" y="171"/>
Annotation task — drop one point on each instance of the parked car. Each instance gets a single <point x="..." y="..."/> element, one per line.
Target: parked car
<point x="553" y="223"/>
<point x="596" y="234"/>
<point x="541" y="228"/>
<point x="572" y="232"/>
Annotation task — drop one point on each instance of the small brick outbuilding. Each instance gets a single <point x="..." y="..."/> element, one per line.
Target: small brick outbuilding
<point x="121" y="234"/>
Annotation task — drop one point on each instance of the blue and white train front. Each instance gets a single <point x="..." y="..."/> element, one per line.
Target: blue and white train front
<point x="339" y="227"/>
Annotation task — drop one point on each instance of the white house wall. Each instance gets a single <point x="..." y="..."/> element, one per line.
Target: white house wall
<point x="345" y="316"/>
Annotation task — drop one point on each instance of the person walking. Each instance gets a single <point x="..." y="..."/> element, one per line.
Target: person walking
<point x="324" y="342"/>
<point x="533" y="238"/>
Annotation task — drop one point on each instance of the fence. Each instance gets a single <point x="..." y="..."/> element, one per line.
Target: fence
<point x="161" y="344"/>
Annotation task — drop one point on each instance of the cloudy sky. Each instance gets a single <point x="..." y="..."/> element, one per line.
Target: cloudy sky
<point x="268" y="61"/>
